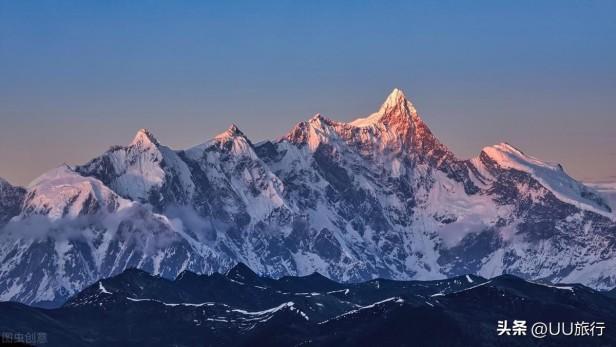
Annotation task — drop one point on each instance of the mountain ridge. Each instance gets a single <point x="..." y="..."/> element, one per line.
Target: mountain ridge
<point x="138" y="308"/>
<point x="381" y="198"/>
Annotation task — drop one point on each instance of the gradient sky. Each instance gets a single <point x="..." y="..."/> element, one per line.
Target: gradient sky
<point x="77" y="77"/>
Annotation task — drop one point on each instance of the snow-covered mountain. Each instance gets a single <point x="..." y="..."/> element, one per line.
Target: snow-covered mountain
<point x="606" y="189"/>
<point x="11" y="198"/>
<point x="144" y="171"/>
<point x="377" y="197"/>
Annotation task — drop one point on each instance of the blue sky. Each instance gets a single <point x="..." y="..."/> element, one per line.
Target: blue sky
<point x="77" y="77"/>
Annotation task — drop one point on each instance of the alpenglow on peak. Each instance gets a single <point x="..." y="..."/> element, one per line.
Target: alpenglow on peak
<point x="144" y="138"/>
<point x="396" y="97"/>
<point x="232" y="131"/>
<point x="396" y="102"/>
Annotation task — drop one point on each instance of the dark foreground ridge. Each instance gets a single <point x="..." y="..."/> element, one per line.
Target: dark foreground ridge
<point x="241" y="308"/>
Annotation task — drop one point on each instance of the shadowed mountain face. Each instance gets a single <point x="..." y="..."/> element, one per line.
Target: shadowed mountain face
<point x="11" y="198"/>
<point x="377" y="197"/>
<point x="241" y="308"/>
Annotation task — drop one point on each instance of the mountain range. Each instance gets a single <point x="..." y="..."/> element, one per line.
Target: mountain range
<point x="378" y="197"/>
<point x="241" y="308"/>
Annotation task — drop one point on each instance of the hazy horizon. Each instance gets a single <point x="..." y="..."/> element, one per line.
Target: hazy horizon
<point x="79" y="78"/>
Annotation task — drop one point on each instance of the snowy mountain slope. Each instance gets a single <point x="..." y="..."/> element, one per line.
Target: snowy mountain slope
<point x="143" y="171"/>
<point x="551" y="176"/>
<point x="229" y="161"/>
<point x="62" y="193"/>
<point x="542" y="237"/>
<point x="607" y="190"/>
<point x="377" y="197"/>
<point x="72" y="230"/>
<point x="11" y="198"/>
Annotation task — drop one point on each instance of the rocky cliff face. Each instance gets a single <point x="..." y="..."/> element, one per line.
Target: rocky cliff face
<point x="11" y="198"/>
<point x="377" y="197"/>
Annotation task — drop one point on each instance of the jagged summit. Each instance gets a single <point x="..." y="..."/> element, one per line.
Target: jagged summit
<point x="320" y="118"/>
<point x="396" y="108"/>
<point x="144" y="138"/>
<point x="395" y="127"/>
<point x="386" y="200"/>
<point x="232" y="140"/>
<point x="313" y="132"/>
<point x="140" y="170"/>
<point x="231" y="132"/>
<point x="396" y="97"/>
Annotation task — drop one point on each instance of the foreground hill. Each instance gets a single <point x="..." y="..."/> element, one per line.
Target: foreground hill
<point x="241" y="308"/>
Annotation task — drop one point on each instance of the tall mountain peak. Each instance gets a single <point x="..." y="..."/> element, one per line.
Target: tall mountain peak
<point x="316" y="117"/>
<point x="232" y="140"/>
<point x="396" y="97"/>
<point x="349" y="202"/>
<point x="231" y="132"/>
<point x="396" y="109"/>
<point x="144" y="138"/>
<point x="395" y="126"/>
<point x="320" y="118"/>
